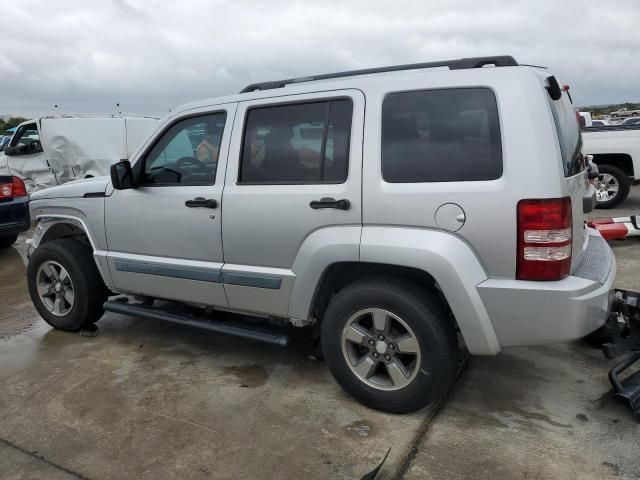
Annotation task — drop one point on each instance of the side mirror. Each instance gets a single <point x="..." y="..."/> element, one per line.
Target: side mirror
<point x="10" y="151"/>
<point x="122" y="175"/>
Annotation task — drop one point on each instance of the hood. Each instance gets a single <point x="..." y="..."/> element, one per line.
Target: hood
<point x="75" y="189"/>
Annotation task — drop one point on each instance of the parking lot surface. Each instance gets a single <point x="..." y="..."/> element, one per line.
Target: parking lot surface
<point x="149" y="400"/>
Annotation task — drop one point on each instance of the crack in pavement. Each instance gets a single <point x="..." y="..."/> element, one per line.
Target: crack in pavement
<point x="10" y="444"/>
<point x="414" y="448"/>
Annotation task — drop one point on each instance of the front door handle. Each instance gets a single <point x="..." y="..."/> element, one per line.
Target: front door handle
<point x="342" y="204"/>
<point x="201" y="202"/>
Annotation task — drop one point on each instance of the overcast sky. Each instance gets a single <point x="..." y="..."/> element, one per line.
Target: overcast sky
<point x="151" y="55"/>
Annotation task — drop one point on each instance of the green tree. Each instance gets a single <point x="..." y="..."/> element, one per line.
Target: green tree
<point x="10" y="123"/>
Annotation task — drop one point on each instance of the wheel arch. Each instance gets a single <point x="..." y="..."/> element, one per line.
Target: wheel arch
<point x="621" y="160"/>
<point x="439" y="260"/>
<point x="55" y="226"/>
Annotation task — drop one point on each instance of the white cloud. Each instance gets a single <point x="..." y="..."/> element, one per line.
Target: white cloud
<point x="151" y="55"/>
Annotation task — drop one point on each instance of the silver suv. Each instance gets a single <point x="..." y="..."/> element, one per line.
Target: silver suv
<point x="400" y="213"/>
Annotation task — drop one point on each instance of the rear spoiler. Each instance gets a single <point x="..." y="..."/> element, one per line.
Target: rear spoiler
<point x="553" y="88"/>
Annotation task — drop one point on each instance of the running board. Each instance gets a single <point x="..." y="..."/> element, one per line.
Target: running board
<point x="251" y="332"/>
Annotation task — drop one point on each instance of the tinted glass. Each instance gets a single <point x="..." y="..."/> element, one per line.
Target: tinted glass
<point x="564" y="117"/>
<point x="187" y="153"/>
<point x="299" y="143"/>
<point x="441" y="136"/>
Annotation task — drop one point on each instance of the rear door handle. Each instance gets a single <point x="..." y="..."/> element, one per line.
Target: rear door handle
<point x="201" y="202"/>
<point x="342" y="204"/>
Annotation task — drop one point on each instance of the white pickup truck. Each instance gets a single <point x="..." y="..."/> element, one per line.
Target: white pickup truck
<point x="54" y="150"/>
<point x="616" y="151"/>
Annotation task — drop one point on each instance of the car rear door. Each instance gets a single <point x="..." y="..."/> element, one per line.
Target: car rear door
<point x="294" y="169"/>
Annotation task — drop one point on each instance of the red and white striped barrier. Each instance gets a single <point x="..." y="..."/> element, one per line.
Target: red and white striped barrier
<point x="616" y="228"/>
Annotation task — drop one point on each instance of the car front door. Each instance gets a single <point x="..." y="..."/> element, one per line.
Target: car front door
<point x="164" y="236"/>
<point x="294" y="175"/>
<point x="27" y="159"/>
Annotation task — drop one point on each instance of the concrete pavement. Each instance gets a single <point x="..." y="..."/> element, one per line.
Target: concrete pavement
<point x="148" y="400"/>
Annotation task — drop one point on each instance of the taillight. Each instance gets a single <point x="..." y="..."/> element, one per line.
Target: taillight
<point x="544" y="239"/>
<point x="12" y="190"/>
<point x="19" y="190"/>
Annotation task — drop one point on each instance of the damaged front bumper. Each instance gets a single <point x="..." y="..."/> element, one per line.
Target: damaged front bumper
<point x="623" y="331"/>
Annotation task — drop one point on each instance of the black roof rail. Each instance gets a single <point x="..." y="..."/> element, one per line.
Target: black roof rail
<point x="462" y="63"/>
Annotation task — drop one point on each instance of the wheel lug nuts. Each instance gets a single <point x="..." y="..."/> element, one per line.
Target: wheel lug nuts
<point x="387" y="357"/>
<point x="391" y="347"/>
<point x="375" y="355"/>
<point x="381" y="337"/>
<point x="372" y="343"/>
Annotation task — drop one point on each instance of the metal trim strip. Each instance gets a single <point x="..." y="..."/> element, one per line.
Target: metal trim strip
<point x="252" y="280"/>
<point x="200" y="274"/>
<point x="188" y="273"/>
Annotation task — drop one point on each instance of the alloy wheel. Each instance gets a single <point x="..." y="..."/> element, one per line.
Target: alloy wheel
<point x="607" y="187"/>
<point x="381" y="349"/>
<point x="55" y="288"/>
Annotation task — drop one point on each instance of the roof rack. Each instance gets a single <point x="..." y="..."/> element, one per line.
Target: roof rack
<point x="462" y="63"/>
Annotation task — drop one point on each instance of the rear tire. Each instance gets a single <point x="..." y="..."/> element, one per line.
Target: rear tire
<point x="624" y="185"/>
<point x="75" y="284"/>
<point x="418" y="321"/>
<point x="6" y="242"/>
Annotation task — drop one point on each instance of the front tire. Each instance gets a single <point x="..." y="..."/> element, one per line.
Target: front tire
<point x="389" y="344"/>
<point x="65" y="284"/>
<point x="613" y="186"/>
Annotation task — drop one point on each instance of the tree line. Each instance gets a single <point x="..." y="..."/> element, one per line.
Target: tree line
<point x="10" y="123"/>
<point x="607" y="109"/>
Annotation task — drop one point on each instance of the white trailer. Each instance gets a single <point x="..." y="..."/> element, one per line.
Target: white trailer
<point x="54" y="150"/>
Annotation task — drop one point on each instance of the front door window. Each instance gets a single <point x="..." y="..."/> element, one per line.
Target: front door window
<point x="27" y="140"/>
<point x="187" y="153"/>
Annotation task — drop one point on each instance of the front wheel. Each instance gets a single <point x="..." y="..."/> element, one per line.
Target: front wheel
<point x="65" y="284"/>
<point x="612" y="186"/>
<point x="389" y="344"/>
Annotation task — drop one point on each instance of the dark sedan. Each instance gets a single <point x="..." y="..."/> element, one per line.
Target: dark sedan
<point x="14" y="209"/>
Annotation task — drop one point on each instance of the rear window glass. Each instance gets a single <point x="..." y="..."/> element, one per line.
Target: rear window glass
<point x="441" y="136"/>
<point x="564" y="116"/>
<point x="297" y="143"/>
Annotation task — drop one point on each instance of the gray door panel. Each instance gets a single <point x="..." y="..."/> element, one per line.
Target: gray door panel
<point x="264" y="225"/>
<point x="159" y="246"/>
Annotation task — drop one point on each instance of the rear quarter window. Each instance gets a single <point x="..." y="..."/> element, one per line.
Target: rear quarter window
<point x="569" y="138"/>
<point x="441" y="136"/>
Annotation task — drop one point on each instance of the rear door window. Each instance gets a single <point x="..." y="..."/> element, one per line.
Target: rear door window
<point x="297" y="143"/>
<point x="441" y="136"/>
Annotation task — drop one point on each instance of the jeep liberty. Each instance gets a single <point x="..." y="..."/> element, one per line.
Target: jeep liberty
<point x="401" y="213"/>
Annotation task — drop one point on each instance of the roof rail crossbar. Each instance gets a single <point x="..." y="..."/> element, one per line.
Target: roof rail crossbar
<point x="462" y="63"/>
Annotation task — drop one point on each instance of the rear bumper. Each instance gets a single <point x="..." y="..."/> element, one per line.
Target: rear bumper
<point x="536" y="313"/>
<point x="14" y="217"/>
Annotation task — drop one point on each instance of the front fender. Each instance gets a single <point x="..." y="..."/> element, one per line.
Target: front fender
<point x="89" y="219"/>
<point x="451" y="262"/>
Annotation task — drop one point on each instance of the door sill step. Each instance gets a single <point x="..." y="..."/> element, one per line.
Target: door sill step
<point x="205" y="322"/>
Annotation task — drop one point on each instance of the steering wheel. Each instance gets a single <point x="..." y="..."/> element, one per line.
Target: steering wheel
<point x="192" y="161"/>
